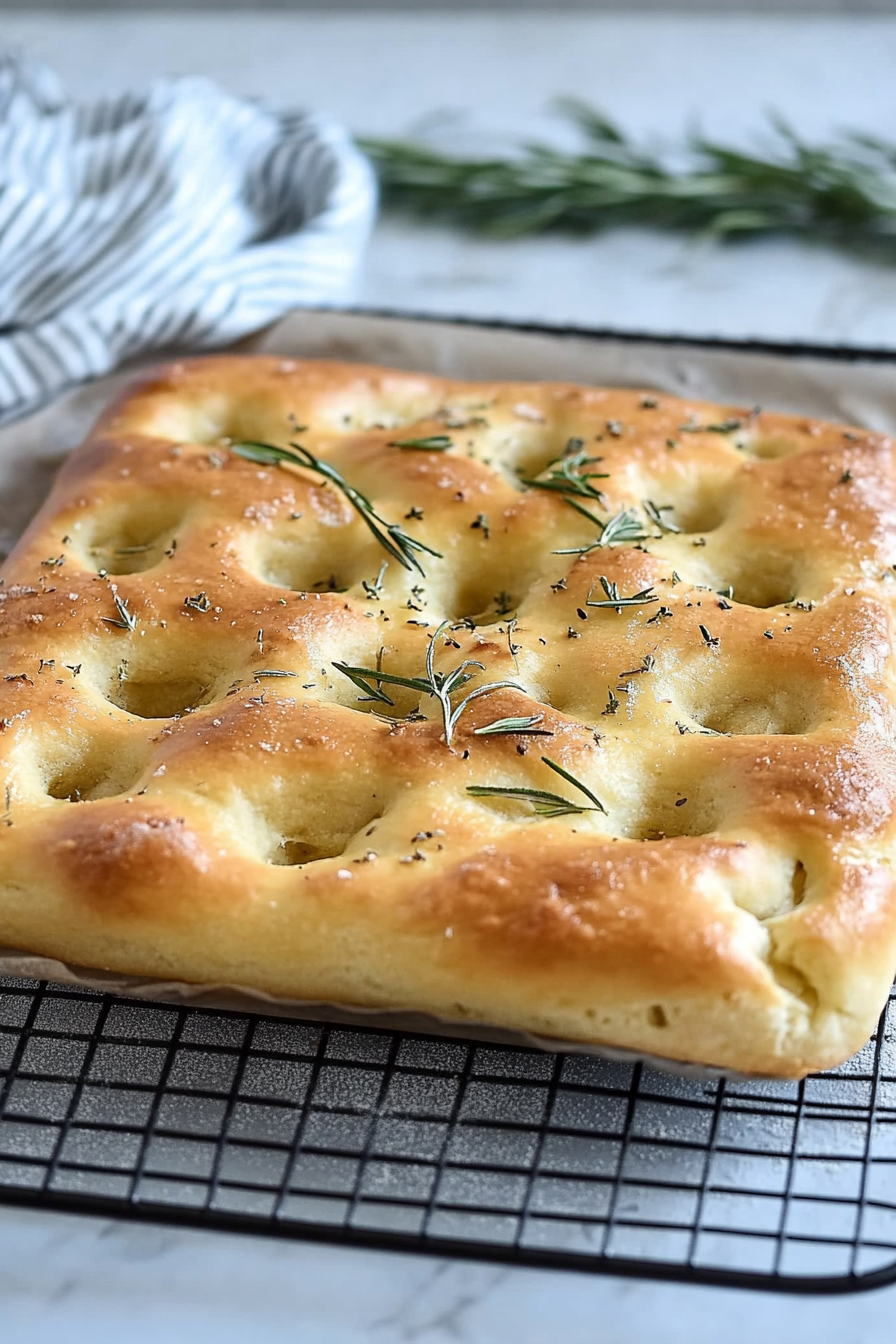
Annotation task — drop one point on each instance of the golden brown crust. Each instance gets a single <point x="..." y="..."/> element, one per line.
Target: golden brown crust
<point x="173" y="809"/>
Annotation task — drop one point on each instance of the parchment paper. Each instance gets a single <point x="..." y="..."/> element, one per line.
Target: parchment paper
<point x="852" y="390"/>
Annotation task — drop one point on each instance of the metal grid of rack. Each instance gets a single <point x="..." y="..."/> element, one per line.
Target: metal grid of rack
<point x="369" y="1136"/>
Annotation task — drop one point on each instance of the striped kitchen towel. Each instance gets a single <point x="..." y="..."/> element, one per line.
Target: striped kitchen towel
<point x="179" y="218"/>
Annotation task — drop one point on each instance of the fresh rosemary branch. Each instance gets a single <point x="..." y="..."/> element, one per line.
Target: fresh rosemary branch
<point x="569" y="477"/>
<point x="616" y="600"/>
<point x="841" y="192"/>
<point x="389" y="535"/>
<point x="440" y="684"/>
<point x="544" y="804"/>
<point x="624" y="526"/>
<point x="444" y="683"/>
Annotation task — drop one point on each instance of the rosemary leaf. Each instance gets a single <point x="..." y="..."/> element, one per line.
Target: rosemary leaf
<point x="576" y="783"/>
<point x="723" y="427"/>
<point x="363" y="677"/>
<point x="452" y="718"/>
<point x="434" y="443"/>
<point x="544" y="804"/>
<point x="265" y="454"/>
<point x="526" y="726"/>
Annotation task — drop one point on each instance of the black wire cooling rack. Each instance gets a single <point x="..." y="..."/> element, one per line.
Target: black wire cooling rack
<point x="137" y="1109"/>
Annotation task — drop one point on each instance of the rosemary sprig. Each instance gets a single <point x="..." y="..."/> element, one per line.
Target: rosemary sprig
<point x="544" y="804"/>
<point x="374" y="589"/>
<point x="526" y="726"/>
<point x="655" y="514"/>
<point x="126" y="619"/>
<point x="723" y="427"/>
<point x="567" y="476"/>
<point x="616" y="600"/>
<point x="622" y="528"/>
<point x="433" y="443"/>
<point x="442" y="685"/>
<point x="841" y="192"/>
<point x="390" y="536"/>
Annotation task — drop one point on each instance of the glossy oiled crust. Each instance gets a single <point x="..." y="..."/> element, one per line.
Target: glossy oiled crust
<point x="170" y="813"/>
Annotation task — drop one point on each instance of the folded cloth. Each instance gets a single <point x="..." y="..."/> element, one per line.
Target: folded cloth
<point x="180" y="218"/>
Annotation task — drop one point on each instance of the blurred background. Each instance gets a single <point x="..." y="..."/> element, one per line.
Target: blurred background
<point x="473" y="79"/>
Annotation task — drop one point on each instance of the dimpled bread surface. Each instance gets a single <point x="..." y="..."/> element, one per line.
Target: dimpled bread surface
<point x="195" y="791"/>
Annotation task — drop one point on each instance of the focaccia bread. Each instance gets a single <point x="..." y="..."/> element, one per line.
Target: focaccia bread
<point x="241" y="741"/>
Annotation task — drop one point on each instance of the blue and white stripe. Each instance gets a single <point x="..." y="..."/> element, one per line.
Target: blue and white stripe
<point x="182" y="218"/>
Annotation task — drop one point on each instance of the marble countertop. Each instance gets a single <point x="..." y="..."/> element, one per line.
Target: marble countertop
<point x="79" y="1278"/>
<point x="72" y="1279"/>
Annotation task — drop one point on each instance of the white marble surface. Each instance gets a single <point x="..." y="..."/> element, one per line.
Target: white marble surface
<point x="64" y="1280"/>
<point x="71" y="1279"/>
